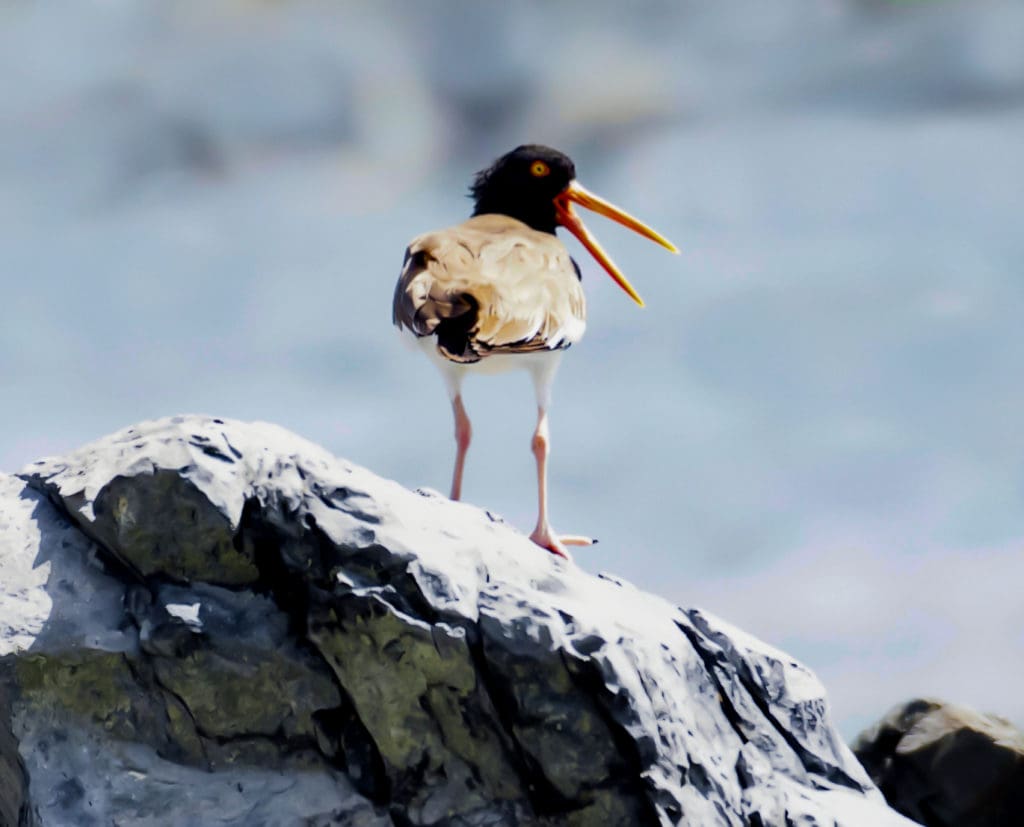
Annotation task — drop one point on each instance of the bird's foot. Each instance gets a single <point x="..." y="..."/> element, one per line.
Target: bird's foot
<point x="546" y="538"/>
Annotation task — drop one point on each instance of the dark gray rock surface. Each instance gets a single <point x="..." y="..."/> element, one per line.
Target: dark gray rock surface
<point x="946" y="766"/>
<point x="212" y="622"/>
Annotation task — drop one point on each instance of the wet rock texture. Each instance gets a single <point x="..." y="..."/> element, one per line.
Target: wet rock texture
<point x="213" y="622"/>
<point x="946" y="766"/>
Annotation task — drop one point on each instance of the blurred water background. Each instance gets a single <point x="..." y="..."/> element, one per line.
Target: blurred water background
<point x="814" y="429"/>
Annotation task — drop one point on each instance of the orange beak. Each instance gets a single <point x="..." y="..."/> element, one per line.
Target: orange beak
<point x="567" y="218"/>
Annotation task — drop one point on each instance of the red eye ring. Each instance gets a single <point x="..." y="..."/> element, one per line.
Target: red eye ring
<point x="538" y="169"/>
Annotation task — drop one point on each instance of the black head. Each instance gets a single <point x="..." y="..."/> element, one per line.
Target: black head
<point x="523" y="184"/>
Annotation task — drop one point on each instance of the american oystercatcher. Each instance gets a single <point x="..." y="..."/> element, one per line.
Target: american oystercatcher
<point x="500" y="292"/>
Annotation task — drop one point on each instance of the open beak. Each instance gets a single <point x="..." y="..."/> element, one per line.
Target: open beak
<point x="567" y="218"/>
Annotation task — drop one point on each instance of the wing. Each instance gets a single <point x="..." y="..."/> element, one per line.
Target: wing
<point x="490" y="285"/>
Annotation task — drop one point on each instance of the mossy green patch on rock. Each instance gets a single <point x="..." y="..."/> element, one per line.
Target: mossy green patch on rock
<point x="248" y="691"/>
<point x="415" y="690"/>
<point x="161" y="523"/>
<point x="185" y="744"/>
<point x="95" y="686"/>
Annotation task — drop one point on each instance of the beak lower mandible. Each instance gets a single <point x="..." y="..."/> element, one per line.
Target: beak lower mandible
<point x="567" y="218"/>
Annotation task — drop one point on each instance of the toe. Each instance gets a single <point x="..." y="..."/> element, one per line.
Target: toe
<point x="576" y="540"/>
<point x="551" y="543"/>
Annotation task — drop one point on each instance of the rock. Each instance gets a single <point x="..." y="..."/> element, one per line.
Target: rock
<point x="13" y="781"/>
<point x="212" y="620"/>
<point x="944" y="765"/>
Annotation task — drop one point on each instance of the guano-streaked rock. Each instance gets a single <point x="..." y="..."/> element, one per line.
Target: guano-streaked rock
<point x="207" y="621"/>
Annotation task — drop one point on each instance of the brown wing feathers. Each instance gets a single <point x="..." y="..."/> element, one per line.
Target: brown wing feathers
<point x="424" y="307"/>
<point x="490" y="285"/>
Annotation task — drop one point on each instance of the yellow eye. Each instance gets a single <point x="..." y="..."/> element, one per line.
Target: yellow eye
<point x="538" y="169"/>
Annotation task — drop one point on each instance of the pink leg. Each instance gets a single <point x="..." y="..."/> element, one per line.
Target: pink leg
<point x="542" y="534"/>
<point x="463" y="434"/>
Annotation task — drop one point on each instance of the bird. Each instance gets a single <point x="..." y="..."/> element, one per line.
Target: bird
<point x="500" y="292"/>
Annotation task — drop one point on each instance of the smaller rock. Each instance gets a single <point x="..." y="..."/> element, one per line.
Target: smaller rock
<point x="946" y="766"/>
